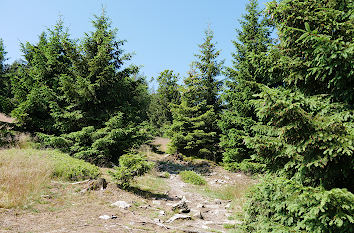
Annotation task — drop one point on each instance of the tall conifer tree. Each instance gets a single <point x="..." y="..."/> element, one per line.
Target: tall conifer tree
<point x="5" y="85"/>
<point x="251" y="47"/>
<point x="167" y="93"/>
<point x="194" y="131"/>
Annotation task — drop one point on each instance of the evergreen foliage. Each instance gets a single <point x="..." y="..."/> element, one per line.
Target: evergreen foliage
<point x="130" y="166"/>
<point x="80" y="96"/>
<point x="194" y="131"/>
<point x="317" y="45"/>
<point x="5" y="84"/>
<point x="167" y="94"/>
<point x="249" y="68"/>
<point x="304" y="137"/>
<point x="282" y="205"/>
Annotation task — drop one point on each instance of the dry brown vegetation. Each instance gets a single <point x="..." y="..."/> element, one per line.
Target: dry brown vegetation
<point x="22" y="177"/>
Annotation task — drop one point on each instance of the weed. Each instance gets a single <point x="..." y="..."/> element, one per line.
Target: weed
<point x="192" y="178"/>
<point x="229" y="226"/>
<point x="165" y="175"/>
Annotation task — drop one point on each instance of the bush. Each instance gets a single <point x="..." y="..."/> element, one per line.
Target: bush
<point x="246" y="166"/>
<point x="192" y="178"/>
<point x="305" y="137"/>
<point x="281" y="205"/>
<point x="99" y="146"/>
<point x="130" y="166"/>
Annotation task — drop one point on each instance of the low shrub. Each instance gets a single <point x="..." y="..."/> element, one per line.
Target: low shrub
<point x="99" y="146"/>
<point x="281" y="205"/>
<point x="192" y="178"/>
<point x="130" y="166"/>
<point x="246" y="166"/>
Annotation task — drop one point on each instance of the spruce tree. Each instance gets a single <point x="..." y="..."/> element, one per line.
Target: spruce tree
<point x="249" y="68"/>
<point x="303" y="134"/>
<point x="316" y="46"/>
<point x="194" y="131"/>
<point x="5" y="84"/>
<point x="36" y="83"/>
<point x="81" y="97"/>
<point x="167" y="93"/>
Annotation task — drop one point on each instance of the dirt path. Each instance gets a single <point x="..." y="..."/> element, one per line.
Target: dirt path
<point x="64" y="208"/>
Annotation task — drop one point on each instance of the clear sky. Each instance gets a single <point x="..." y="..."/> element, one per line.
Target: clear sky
<point x="164" y="34"/>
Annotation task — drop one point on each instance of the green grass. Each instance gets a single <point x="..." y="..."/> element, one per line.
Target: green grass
<point x="63" y="165"/>
<point x="69" y="168"/>
<point x="152" y="184"/>
<point x="192" y="178"/>
<point x="228" y="192"/>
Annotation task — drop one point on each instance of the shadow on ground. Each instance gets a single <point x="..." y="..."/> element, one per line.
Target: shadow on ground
<point x="175" y="167"/>
<point x="147" y="194"/>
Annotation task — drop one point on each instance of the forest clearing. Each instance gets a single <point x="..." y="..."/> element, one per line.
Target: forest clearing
<point x="264" y="143"/>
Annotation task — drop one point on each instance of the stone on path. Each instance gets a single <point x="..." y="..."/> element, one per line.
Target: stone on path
<point x="198" y="215"/>
<point x="179" y="216"/>
<point x="181" y="206"/>
<point x="162" y="213"/>
<point x="105" y="217"/>
<point x="121" y="204"/>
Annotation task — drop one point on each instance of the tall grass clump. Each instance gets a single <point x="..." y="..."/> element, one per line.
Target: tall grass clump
<point x="25" y="172"/>
<point x="192" y="178"/>
<point x="22" y="177"/>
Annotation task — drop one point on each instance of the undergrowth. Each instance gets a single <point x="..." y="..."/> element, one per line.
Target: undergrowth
<point x="281" y="205"/>
<point x="24" y="173"/>
<point x="192" y="178"/>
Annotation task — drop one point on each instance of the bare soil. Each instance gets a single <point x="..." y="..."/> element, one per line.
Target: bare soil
<point x="63" y="207"/>
<point x="6" y="119"/>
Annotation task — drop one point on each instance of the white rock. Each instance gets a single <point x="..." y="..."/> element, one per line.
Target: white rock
<point x="156" y="202"/>
<point x="200" y="206"/>
<point x="185" y="199"/>
<point x="162" y="213"/>
<point x="198" y="215"/>
<point x="121" y="204"/>
<point x="157" y="220"/>
<point x="232" y="222"/>
<point x="105" y="217"/>
<point x="179" y="216"/>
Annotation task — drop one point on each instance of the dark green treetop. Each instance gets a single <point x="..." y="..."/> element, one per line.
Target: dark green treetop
<point x="167" y="93"/>
<point x="250" y="67"/>
<point x="194" y="131"/>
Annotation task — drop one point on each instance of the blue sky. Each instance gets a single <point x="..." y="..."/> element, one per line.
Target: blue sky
<point x="164" y="34"/>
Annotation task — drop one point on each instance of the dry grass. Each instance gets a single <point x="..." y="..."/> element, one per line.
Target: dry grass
<point x="162" y="143"/>
<point x="234" y="193"/>
<point x="152" y="183"/>
<point x="22" y="177"/>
